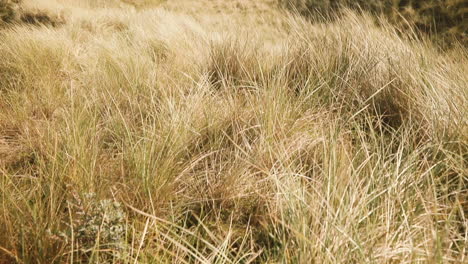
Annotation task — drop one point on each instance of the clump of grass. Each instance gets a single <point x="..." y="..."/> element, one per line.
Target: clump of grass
<point x="8" y="10"/>
<point x="13" y="11"/>
<point x="233" y="63"/>
<point x="37" y="17"/>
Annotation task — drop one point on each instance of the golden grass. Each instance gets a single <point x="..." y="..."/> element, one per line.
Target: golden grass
<point x="444" y="20"/>
<point x="148" y="135"/>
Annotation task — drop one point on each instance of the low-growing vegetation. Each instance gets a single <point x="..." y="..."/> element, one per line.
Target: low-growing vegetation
<point x="13" y="13"/>
<point x="446" y="21"/>
<point x="165" y="133"/>
<point x="7" y="10"/>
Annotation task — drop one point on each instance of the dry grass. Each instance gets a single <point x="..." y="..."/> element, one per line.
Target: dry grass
<point x="7" y="11"/>
<point x="147" y="135"/>
<point x="445" y="21"/>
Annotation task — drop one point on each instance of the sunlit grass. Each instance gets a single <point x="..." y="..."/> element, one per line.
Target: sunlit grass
<point x="146" y="136"/>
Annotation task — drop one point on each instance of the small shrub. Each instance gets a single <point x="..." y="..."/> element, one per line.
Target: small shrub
<point x="99" y="226"/>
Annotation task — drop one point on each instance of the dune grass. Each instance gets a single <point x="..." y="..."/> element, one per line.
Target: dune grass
<point x="150" y="136"/>
<point x="445" y="21"/>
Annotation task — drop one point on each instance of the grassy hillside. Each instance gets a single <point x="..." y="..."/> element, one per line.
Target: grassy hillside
<point x="227" y="132"/>
<point x="445" y="20"/>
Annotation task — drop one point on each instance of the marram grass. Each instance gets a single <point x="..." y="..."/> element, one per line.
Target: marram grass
<point x="168" y="133"/>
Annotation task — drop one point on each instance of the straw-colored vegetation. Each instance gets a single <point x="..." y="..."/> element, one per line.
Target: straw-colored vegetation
<point x="227" y="132"/>
<point x="445" y="20"/>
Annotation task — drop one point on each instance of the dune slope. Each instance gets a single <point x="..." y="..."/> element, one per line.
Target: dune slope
<point x="227" y="132"/>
